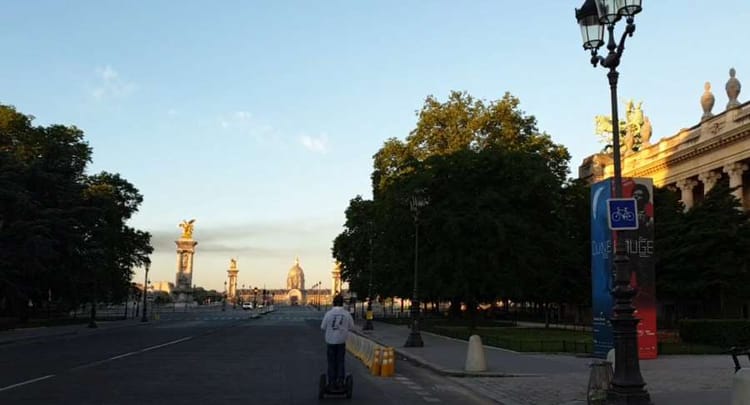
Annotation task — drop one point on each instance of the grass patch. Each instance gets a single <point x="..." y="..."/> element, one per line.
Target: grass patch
<point x="543" y="340"/>
<point x="688" y="348"/>
<point x="524" y="339"/>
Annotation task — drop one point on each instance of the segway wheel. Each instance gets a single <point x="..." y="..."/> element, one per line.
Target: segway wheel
<point x="349" y="386"/>
<point x="322" y="386"/>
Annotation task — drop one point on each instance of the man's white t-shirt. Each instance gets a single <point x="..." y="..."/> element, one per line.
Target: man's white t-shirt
<point x="336" y="323"/>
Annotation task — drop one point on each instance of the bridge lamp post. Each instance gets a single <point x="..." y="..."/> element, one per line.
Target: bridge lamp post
<point x="594" y="17"/>
<point x="416" y="202"/>
<point x="144" y="318"/>
<point x="224" y="298"/>
<point x="368" y="316"/>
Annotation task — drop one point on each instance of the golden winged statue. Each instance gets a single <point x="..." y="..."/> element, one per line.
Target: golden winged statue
<point x="187" y="229"/>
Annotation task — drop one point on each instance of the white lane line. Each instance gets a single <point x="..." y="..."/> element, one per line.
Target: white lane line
<point x="119" y="356"/>
<point x="26" y="382"/>
<point x="431" y="399"/>
<point x="166" y="344"/>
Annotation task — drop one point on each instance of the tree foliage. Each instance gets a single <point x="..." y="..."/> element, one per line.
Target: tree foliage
<point x="501" y="220"/>
<point x="63" y="233"/>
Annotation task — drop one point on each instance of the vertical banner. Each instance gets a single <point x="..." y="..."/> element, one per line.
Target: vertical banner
<point x="640" y="250"/>
<point x="601" y="269"/>
<point x="640" y="247"/>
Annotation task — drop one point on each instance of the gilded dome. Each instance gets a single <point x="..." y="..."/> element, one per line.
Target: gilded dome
<point x="296" y="270"/>
<point x="296" y="277"/>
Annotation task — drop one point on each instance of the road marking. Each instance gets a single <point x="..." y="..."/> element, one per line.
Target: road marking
<point x="26" y="382"/>
<point x="431" y="399"/>
<point x="166" y="344"/>
<point x="119" y="356"/>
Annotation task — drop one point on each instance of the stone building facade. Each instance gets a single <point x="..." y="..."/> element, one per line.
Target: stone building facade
<point x="695" y="158"/>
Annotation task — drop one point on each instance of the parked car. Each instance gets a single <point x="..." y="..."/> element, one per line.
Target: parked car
<point x="247" y="305"/>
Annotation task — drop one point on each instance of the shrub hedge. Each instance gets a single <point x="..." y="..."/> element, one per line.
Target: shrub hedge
<point x="724" y="333"/>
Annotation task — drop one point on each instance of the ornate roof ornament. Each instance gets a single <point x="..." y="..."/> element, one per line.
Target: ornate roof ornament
<point x="733" y="88"/>
<point x="707" y="102"/>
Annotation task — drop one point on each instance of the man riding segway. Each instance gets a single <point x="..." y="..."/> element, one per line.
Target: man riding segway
<point x="336" y="323"/>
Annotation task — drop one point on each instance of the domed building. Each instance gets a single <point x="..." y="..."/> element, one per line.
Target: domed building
<point x="295" y="285"/>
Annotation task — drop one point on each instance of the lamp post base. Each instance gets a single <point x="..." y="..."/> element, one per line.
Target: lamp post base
<point x="414" y="340"/>
<point x="368" y="317"/>
<point x="626" y="396"/>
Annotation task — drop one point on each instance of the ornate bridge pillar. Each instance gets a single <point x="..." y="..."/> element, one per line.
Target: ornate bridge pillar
<point x="185" y="252"/>
<point x="336" y="275"/>
<point x="232" y="273"/>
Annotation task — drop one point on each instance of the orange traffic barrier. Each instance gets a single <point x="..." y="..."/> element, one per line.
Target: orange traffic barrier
<point x="388" y="368"/>
<point x="376" y="362"/>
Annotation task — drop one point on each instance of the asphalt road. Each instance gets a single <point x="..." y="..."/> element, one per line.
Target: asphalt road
<point x="203" y="357"/>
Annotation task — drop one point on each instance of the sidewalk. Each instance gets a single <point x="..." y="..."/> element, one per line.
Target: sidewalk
<point x="540" y="379"/>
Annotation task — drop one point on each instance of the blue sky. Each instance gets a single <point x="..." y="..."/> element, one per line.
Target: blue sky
<point x="260" y="118"/>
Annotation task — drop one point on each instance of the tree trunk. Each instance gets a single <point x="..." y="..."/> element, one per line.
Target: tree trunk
<point x="454" y="312"/>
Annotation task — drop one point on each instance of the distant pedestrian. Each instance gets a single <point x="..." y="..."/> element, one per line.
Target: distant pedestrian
<point x="336" y="324"/>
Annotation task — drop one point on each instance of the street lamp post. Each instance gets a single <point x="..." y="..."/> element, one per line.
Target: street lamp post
<point x="416" y="202"/>
<point x="368" y="316"/>
<point x="593" y="17"/>
<point x="144" y="318"/>
<point x="224" y="300"/>
<point x="255" y="297"/>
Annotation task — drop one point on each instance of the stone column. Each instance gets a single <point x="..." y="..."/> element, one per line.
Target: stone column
<point x="686" y="187"/>
<point x="709" y="180"/>
<point x="336" y="275"/>
<point x="232" y="273"/>
<point x="735" y="171"/>
<point x="184" y="277"/>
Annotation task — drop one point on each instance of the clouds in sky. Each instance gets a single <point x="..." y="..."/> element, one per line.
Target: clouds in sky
<point x="315" y="144"/>
<point x="246" y="124"/>
<point x="110" y="85"/>
<point x="260" y="239"/>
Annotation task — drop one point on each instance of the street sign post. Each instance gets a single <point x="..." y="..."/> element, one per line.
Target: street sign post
<point x="622" y="214"/>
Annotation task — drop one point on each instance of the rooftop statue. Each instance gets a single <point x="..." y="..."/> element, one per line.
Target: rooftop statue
<point x="635" y="131"/>
<point x="187" y="229"/>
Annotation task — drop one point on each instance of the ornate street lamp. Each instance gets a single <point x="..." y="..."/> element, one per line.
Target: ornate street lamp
<point x="417" y="201"/>
<point x="368" y="316"/>
<point x="594" y="16"/>
<point x="144" y="318"/>
<point x="224" y="298"/>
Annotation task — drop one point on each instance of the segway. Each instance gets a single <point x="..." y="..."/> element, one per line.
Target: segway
<point x="324" y="389"/>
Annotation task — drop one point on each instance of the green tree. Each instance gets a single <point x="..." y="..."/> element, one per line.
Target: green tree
<point x="60" y="229"/>
<point x="492" y="181"/>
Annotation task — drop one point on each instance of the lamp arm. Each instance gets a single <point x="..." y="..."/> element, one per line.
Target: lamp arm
<point x="629" y="31"/>
<point x="615" y="50"/>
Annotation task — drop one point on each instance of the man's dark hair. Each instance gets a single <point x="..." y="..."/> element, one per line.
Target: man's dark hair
<point x="338" y="301"/>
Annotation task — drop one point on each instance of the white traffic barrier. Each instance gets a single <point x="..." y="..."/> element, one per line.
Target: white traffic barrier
<point x="364" y="350"/>
<point x="475" y="360"/>
<point x="611" y="358"/>
<point x="741" y="387"/>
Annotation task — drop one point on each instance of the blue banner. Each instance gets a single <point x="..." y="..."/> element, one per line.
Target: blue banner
<point x="601" y="269"/>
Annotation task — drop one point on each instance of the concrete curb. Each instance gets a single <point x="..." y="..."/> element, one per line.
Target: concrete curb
<point x="31" y="339"/>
